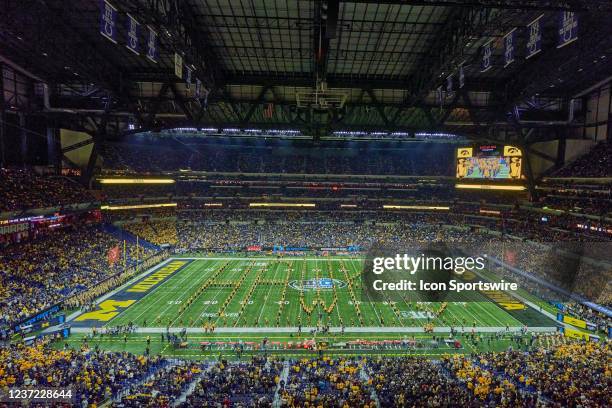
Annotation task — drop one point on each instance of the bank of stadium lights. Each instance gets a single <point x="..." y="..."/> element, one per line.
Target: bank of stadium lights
<point x="489" y="187"/>
<point x="136" y="206"/>
<point x="416" y="207"/>
<point x="436" y="135"/>
<point x="135" y="181"/>
<point x="235" y="131"/>
<point x="350" y="133"/>
<point x="394" y="135"/>
<point x="192" y="130"/>
<point x="284" y="131"/>
<point x="280" y="205"/>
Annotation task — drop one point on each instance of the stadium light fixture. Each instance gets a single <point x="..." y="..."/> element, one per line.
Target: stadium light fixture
<point x="136" y="207"/>
<point x="417" y="207"/>
<point x="489" y="187"/>
<point x="136" y="181"/>
<point x="306" y="205"/>
<point x="491" y="212"/>
<point x="348" y="205"/>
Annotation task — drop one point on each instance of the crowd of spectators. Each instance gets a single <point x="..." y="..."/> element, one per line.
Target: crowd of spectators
<point x="112" y="192"/>
<point x="92" y="376"/>
<point x="163" y="388"/>
<point x="427" y="160"/>
<point x="156" y="232"/>
<point x="228" y="229"/>
<point x="140" y="215"/>
<point x="573" y="269"/>
<point x="583" y="205"/>
<point x="417" y="382"/>
<point x="203" y="236"/>
<point x="240" y="385"/>
<point x="37" y="274"/>
<point x="570" y="375"/>
<point x="596" y="163"/>
<point x="567" y="373"/>
<point x="328" y="383"/>
<point x="21" y="189"/>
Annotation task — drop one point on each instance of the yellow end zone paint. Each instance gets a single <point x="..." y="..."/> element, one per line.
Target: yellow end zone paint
<point x="156" y="277"/>
<point x="506" y="301"/>
<point x="120" y="301"/>
<point x="108" y="310"/>
<point x="503" y="299"/>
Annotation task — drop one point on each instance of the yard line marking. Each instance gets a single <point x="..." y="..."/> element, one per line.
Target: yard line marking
<point x="369" y="299"/>
<point x="267" y="293"/>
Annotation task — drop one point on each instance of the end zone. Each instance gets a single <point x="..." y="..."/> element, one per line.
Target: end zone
<point x="118" y="301"/>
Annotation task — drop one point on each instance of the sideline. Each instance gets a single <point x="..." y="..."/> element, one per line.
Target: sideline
<point x="307" y="330"/>
<point x="292" y="258"/>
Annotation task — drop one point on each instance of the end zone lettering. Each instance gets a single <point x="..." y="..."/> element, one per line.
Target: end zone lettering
<point x="504" y="300"/>
<point x="155" y="278"/>
<point x="107" y="310"/>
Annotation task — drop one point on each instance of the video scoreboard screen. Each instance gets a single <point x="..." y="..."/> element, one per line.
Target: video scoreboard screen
<point x="489" y="162"/>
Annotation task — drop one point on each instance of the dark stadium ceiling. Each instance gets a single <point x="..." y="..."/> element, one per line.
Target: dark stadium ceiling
<point x="258" y="59"/>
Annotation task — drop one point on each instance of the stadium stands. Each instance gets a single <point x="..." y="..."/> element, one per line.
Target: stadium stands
<point x="251" y="384"/>
<point x="163" y="388"/>
<point x="22" y="189"/>
<point x="596" y="163"/>
<point x="38" y="274"/>
<point x="565" y="374"/>
<point x="426" y="160"/>
<point x="92" y="376"/>
<point x="160" y="232"/>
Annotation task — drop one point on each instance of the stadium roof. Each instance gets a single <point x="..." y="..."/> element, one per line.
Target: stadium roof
<point x="317" y="66"/>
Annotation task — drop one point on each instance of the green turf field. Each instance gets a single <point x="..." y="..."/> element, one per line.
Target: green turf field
<point x="282" y="294"/>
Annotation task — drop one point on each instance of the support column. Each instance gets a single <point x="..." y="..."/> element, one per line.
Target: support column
<point x="23" y="138"/>
<point x="529" y="174"/>
<point x="53" y="149"/>
<point x="99" y="138"/>
<point x="561" y="147"/>
<point x="2" y="118"/>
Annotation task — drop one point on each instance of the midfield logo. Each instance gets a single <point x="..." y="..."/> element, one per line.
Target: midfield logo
<point x="314" y="284"/>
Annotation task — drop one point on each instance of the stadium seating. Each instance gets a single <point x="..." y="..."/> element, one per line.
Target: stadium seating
<point x="92" y="376"/>
<point x="37" y="274"/>
<point x="596" y="163"/>
<point x="163" y="388"/>
<point x="566" y="374"/>
<point x="250" y="384"/>
<point x="23" y="189"/>
<point x="227" y="158"/>
<point x="160" y="232"/>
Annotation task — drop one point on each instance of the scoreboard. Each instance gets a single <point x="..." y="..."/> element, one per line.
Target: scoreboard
<point x="489" y="162"/>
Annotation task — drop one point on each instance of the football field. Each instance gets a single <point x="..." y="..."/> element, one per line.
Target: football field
<point x="282" y="295"/>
